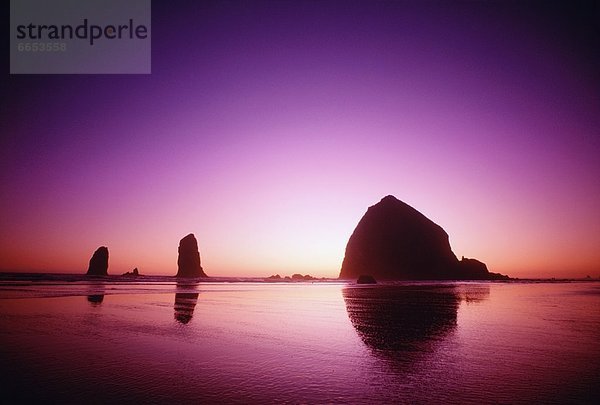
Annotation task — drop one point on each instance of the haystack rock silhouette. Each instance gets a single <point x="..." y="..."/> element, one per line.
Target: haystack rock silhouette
<point x="394" y="241"/>
<point x="99" y="262"/>
<point x="188" y="262"/>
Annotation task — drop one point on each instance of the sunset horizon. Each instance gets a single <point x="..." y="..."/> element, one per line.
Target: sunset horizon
<point x="268" y="128"/>
<point x="263" y="271"/>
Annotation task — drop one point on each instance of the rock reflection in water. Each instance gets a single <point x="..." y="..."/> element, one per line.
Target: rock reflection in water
<point x="185" y="303"/>
<point x="406" y="318"/>
<point x="95" y="294"/>
<point x="95" y="299"/>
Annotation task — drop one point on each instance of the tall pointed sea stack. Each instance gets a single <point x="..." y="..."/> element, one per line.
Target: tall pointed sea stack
<point x="188" y="262"/>
<point x="99" y="262"/>
<point x="393" y="241"/>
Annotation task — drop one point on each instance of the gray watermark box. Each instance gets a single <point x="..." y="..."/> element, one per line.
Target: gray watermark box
<point x="80" y="36"/>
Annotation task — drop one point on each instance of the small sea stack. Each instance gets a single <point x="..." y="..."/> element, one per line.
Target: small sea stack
<point x="188" y="262"/>
<point x="99" y="262"/>
<point x="134" y="273"/>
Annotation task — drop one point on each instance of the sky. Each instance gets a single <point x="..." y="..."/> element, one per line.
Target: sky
<point x="268" y="128"/>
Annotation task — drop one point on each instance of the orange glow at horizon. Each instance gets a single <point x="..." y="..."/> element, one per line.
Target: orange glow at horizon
<point x="312" y="242"/>
<point x="269" y="141"/>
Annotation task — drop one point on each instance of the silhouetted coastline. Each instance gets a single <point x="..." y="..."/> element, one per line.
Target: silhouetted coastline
<point x="12" y="276"/>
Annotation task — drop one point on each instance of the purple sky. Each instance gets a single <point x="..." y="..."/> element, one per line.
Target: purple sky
<point x="268" y="128"/>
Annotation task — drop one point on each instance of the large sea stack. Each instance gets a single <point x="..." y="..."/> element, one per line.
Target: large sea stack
<point x="394" y="241"/>
<point x="99" y="262"/>
<point x="188" y="262"/>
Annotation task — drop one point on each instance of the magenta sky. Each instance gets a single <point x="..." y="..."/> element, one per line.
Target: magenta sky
<point x="268" y="128"/>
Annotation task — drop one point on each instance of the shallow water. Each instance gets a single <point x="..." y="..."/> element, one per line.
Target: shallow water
<point x="300" y="342"/>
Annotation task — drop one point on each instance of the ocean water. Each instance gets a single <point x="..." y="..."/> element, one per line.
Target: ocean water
<point x="163" y="342"/>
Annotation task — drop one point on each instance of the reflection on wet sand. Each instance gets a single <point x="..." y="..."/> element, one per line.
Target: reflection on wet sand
<point x="473" y="293"/>
<point x="185" y="302"/>
<point x="95" y="299"/>
<point x="96" y="294"/>
<point x="406" y="318"/>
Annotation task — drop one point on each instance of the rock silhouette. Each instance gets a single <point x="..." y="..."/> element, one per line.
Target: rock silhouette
<point x="99" y="262"/>
<point x="394" y="241"/>
<point x="188" y="262"/>
<point x="473" y="268"/>
<point x="366" y="279"/>
<point x="134" y="273"/>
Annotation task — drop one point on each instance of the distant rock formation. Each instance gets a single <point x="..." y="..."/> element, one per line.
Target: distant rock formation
<point x="300" y="277"/>
<point x="134" y="273"/>
<point x="393" y="241"/>
<point x="188" y="262"/>
<point x="99" y="262"/>
<point x="366" y="279"/>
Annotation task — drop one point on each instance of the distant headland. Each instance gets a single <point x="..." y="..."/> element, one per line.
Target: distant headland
<point x="394" y="241"/>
